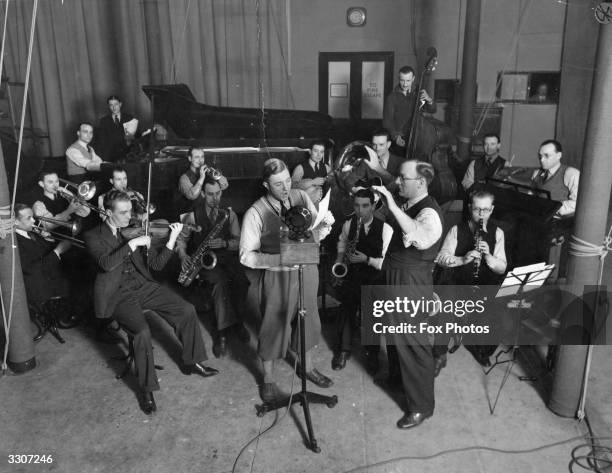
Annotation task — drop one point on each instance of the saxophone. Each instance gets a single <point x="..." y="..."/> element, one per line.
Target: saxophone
<point x="477" y="240"/>
<point x="203" y="257"/>
<point x="340" y="270"/>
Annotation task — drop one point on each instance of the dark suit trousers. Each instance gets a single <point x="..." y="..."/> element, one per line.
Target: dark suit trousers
<point x="414" y="351"/>
<point x="136" y="295"/>
<point x="229" y="287"/>
<point x="350" y="296"/>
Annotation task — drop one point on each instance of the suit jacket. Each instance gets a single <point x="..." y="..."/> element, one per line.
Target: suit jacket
<point x="110" y="137"/>
<point x="42" y="273"/>
<point x="109" y="254"/>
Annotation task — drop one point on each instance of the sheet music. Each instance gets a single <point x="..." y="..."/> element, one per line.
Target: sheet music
<point x="323" y="208"/>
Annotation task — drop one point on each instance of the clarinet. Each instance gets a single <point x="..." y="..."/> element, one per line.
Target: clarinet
<point x="477" y="240"/>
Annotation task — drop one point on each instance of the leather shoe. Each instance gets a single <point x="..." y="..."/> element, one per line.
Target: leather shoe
<point x="439" y="363"/>
<point x="220" y="347"/>
<point x="203" y="370"/>
<point x="411" y="420"/>
<point x="147" y="402"/>
<point x="270" y="393"/>
<point x="339" y="360"/>
<point x="242" y="333"/>
<point x="317" y="378"/>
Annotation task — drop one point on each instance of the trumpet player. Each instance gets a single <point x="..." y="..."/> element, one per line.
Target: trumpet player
<point x="361" y="247"/>
<point x="192" y="181"/>
<point x="119" y="181"/>
<point x="53" y="204"/>
<point x="226" y="277"/>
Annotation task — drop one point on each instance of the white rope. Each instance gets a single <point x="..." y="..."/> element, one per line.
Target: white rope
<point x="7" y="324"/>
<point x="584" y="249"/>
<point x="181" y="43"/>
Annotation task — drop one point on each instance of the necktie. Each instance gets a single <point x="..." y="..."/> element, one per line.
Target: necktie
<point x="284" y="209"/>
<point x="213" y="215"/>
<point x="116" y="119"/>
<point x="545" y="175"/>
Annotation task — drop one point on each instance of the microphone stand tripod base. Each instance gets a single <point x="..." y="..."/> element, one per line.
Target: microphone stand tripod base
<point x="304" y="397"/>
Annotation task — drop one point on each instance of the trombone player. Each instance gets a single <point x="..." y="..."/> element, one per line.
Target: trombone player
<point x="52" y="202"/>
<point x="361" y="247"/>
<point x="40" y="259"/>
<point x="226" y="276"/>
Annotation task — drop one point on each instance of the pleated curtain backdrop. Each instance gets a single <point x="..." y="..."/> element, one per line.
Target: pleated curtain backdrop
<point x="229" y="53"/>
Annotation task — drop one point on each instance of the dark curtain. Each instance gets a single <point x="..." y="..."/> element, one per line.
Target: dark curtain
<point x="229" y="53"/>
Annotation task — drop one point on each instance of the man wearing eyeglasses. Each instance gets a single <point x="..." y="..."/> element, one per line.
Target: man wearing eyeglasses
<point x="459" y="253"/>
<point x="417" y="231"/>
<point x="469" y="264"/>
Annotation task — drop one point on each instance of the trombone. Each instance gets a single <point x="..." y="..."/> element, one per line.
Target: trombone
<point x="84" y="192"/>
<point x="57" y="236"/>
<point x="74" y="226"/>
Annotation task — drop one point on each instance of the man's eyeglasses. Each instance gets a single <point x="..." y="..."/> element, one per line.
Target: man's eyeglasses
<point x="482" y="210"/>
<point x="404" y="179"/>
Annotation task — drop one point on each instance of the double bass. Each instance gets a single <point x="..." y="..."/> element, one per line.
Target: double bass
<point x="430" y="139"/>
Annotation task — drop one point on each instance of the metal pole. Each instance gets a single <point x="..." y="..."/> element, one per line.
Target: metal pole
<point x="590" y="221"/>
<point x="468" y="78"/>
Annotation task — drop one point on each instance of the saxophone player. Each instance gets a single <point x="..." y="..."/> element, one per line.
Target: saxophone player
<point x="362" y="244"/>
<point x="227" y="279"/>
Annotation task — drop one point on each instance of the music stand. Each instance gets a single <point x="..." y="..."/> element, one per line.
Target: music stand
<point x="300" y="252"/>
<point x="516" y="283"/>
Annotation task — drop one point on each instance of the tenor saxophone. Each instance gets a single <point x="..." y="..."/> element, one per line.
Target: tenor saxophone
<point x="203" y="257"/>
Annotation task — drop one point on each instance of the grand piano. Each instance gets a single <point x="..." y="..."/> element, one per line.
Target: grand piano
<point x="237" y="142"/>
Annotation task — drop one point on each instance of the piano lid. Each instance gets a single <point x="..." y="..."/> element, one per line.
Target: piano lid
<point x="176" y="107"/>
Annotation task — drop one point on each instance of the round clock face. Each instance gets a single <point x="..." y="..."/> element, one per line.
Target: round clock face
<point x="356" y="16"/>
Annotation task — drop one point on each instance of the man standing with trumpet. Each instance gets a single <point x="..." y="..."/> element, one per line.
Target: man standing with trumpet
<point x="361" y="247"/>
<point x="124" y="288"/>
<point x="223" y="271"/>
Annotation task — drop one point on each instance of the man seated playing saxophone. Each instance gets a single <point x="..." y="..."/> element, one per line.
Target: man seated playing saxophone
<point x="222" y="270"/>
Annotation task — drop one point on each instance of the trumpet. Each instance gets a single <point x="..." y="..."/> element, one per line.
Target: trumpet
<point x="140" y="204"/>
<point x="74" y="226"/>
<point x="214" y="173"/>
<point x="58" y="236"/>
